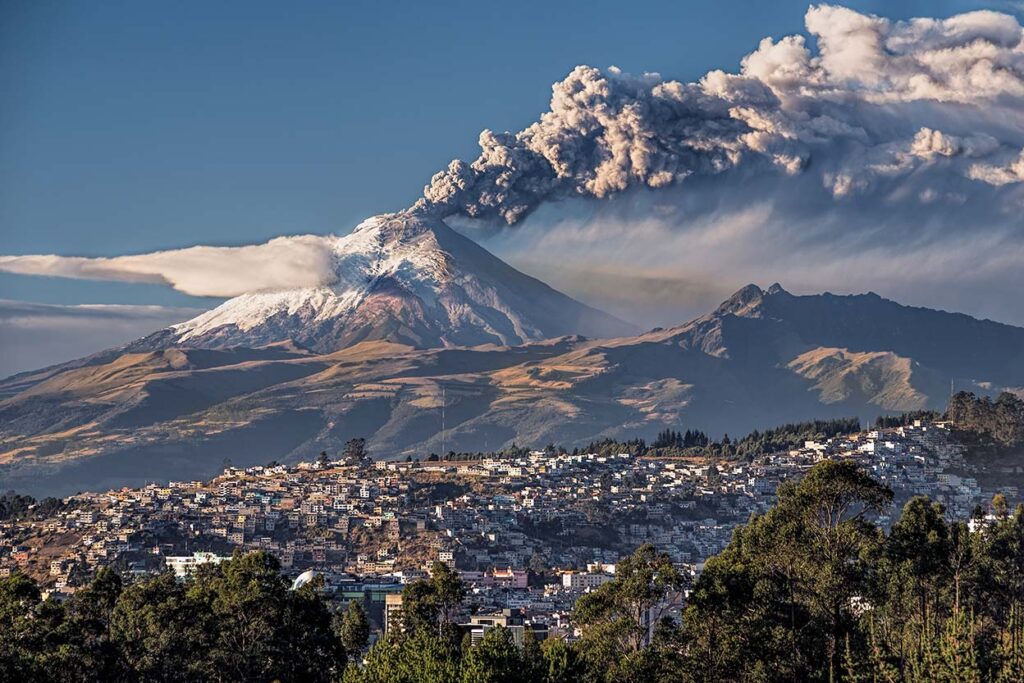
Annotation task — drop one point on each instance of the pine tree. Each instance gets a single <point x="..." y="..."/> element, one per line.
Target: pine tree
<point x="355" y="629"/>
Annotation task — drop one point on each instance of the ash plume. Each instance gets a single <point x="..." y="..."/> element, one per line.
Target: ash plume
<point x="876" y="101"/>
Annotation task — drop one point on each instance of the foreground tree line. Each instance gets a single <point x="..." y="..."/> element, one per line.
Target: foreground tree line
<point x="813" y="590"/>
<point x="236" y="622"/>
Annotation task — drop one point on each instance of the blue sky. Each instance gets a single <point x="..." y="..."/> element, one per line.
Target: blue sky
<point x="130" y="127"/>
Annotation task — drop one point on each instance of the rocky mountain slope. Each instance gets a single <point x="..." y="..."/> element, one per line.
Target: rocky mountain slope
<point x="761" y="358"/>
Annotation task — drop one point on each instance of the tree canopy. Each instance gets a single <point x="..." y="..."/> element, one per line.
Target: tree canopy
<point x="238" y="621"/>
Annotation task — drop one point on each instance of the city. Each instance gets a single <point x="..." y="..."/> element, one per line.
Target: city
<point x="528" y="533"/>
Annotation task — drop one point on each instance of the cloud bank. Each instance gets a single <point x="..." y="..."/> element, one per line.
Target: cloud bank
<point x="873" y="154"/>
<point x="37" y="335"/>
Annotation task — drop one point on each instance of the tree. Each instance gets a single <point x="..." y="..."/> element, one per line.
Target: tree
<point x="494" y="660"/>
<point x="416" y="657"/>
<point x="15" y="506"/>
<point x="355" y="451"/>
<point x="619" y="617"/>
<point x="915" y="566"/>
<point x="831" y="505"/>
<point x="538" y="564"/>
<point x="531" y="658"/>
<point x="86" y="652"/>
<point x="1000" y="421"/>
<point x="238" y="621"/>
<point x="263" y="630"/>
<point x="159" y="633"/>
<point x="781" y="596"/>
<point x="26" y="631"/>
<point x="560" y="663"/>
<point x="431" y="603"/>
<point x="355" y="629"/>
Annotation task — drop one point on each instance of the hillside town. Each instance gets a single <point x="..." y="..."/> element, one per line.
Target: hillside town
<point x="528" y="535"/>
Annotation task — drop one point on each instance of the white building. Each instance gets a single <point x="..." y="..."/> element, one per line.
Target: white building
<point x="583" y="580"/>
<point x="184" y="565"/>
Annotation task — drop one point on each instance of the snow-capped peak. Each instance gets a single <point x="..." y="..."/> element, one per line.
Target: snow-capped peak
<point x="403" y="277"/>
<point x="388" y="245"/>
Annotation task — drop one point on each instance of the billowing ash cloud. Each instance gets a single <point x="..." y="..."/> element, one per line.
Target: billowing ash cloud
<point x="281" y="263"/>
<point x="1013" y="172"/>
<point x="876" y="101"/>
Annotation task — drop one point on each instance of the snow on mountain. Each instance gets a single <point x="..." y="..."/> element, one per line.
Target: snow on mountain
<point x="402" y="277"/>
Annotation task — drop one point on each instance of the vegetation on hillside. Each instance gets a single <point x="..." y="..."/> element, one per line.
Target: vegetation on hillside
<point x="999" y="422"/>
<point x="695" y="443"/>
<point x="16" y="506"/>
<point x="905" y="419"/>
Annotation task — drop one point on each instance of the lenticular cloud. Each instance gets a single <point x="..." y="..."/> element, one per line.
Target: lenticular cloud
<point x="876" y="101"/>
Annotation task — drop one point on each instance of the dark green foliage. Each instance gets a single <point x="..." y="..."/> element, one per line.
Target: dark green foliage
<point x="355" y="629"/>
<point x="670" y="442"/>
<point x="496" y="659"/>
<point x="15" y="506"/>
<point x="794" y="434"/>
<point x="813" y="590"/>
<point x="28" y="632"/>
<point x="672" y="439"/>
<point x="355" y="450"/>
<point x="616" y="617"/>
<point x="1000" y="421"/>
<point x="560" y="662"/>
<point x="419" y="656"/>
<point x="904" y="419"/>
<point x="263" y="630"/>
<point x="430" y="604"/>
<point x="607" y="447"/>
<point x="150" y="622"/>
<point x="782" y="590"/>
<point x="236" y="622"/>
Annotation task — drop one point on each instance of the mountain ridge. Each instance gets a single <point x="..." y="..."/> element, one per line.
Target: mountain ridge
<point x="763" y="357"/>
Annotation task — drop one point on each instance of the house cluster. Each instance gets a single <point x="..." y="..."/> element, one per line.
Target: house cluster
<point x="528" y="534"/>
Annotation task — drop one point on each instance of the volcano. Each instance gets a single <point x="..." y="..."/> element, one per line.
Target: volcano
<point x="406" y="278"/>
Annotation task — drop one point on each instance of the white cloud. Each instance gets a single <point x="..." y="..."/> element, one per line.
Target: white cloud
<point x="281" y="263"/>
<point x="36" y="335"/>
<point x="660" y="258"/>
<point x="998" y="175"/>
